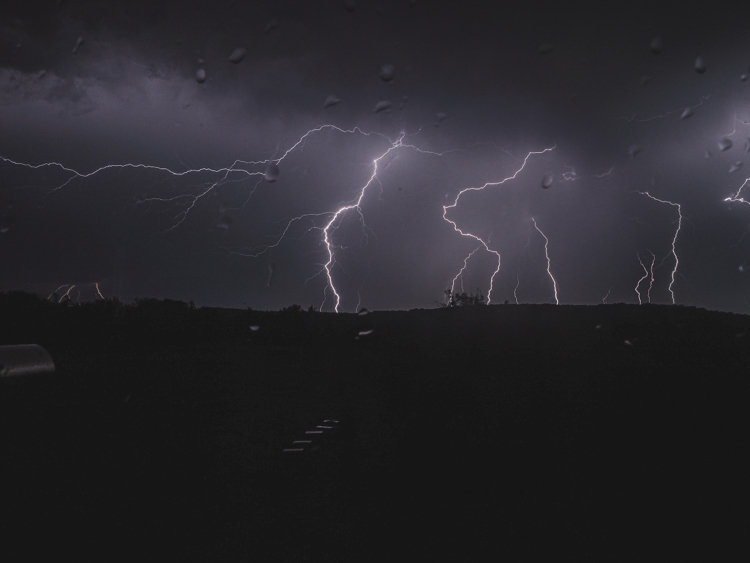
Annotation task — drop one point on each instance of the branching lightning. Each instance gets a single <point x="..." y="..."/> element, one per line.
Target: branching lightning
<point x="546" y="253"/>
<point x="674" y="240"/>
<point x="459" y="275"/>
<point x="476" y="237"/>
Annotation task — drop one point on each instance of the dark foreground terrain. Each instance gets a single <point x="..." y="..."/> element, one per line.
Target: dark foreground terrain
<point x="486" y="433"/>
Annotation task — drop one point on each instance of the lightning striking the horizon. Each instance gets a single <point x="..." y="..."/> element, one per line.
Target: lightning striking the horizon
<point x="481" y="241"/>
<point x="461" y="271"/>
<point x="546" y="253"/>
<point x="674" y="240"/>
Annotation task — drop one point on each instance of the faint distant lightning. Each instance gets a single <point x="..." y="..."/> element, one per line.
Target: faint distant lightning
<point x="604" y="299"/>
<point x="674" y="239"/>
<point x="54" y="293"/>
<point x="546" y="253"/>
<point x="515" y="289"/>
<point x="99" y="292"/>
<point x="67" y="294"/>
<point x="475" y="237"/>
<point x="645" y="275"/>
<point x="461" y="271"/>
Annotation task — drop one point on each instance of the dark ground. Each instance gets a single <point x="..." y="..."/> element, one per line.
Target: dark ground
<point x="518" y="433"/>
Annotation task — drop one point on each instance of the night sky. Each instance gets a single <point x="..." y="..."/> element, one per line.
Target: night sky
<point x="625" y="98"/>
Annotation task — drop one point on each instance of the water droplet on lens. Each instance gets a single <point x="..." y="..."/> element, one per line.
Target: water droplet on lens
<point x="743" y="77"/>
<point x="331" y="100"/>
<point x="725" y="144"/>
<point x="200" y="76"/>
<point x="4" y="225"/>
<point x="441" y="116"/>
<point x="657" y="45"/>
<point x="363" y="311"/>
<point x="237" y="55"/>
<point x="688" y="112"/>
<point x="272" y="172"/>
<point x="736" y="166"/>
<point x="547" y="180"/>
<point x="382" y="105"/>
<point x="254" y="328"/>
<point x="645" y="80"/>
<point x="387" y="72"/>
<point x="270" y="26"/>
<point x="365" y="332"/>
<point x="545" y="48"/>
<point x="224" y="223"/>
<point x="708" y="154"/>
<point x="700" y="65"/>
<point x="79" y="42"/>
<point x="633" y="150"/>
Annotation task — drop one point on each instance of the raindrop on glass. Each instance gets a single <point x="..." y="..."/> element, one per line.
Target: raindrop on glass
<point x="79" y="42"/>
<point x="743" y="77"/>
<point x="633" y="150"/>
<point x="387" y="72"/>
<point x="363" y="311"/>
<point x="200" y="76"/>
<point x="272" y="172"/>
<point x="547" y="180"/>
<point x="270" y="26"/>
<point x="700" y="65"/>
<point x="707" y="154"/>
<point x="545" y="49"/>
<point x="736" y="166"/>
<point x="725" y="144"/>
<point x="688" y="112"/>
<point x="382" y="105"/>
<point x="254" y="328"/>
<point x="237" y="55"/>
<point x="331" y="100"/>
<point x="224" y="223"/>
<point x="657" y="45"/>
<point x="441" y="116"/>
<point x="4" y="225"/>
<point x="403" y="101"/>
<point x="365" y="332"/>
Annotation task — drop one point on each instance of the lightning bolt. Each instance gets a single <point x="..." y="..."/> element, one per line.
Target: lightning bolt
<point x="98" y="292"/>
<point x="54" y="293"/>
<point x="604" y="299"/>
<point x="546" y="253"/>
<point x="515" y="289"/>
<point x="461" y="271"/>
<point x="476" y="237"/>
<point x="674" y="239"/>
<point x="736" y="197"/>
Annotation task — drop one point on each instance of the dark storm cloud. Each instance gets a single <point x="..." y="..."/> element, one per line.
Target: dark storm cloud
<point x="489" y="83"/>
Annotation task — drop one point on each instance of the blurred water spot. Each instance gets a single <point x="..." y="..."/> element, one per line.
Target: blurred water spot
<point x="363" y="311"/>
<point x="742" y="268"/>
<point x="440" y="116"/>
<point x="545" y="49"/>
<point x="700" y="65"/>
<point x="331" y="100"/>
<point x="628" y="342"/>
<point x="294" y="450"/>
<point x="736" y="166"/>
<point x="633" y="150"/>
<point x="382" y="105"/>
<point x="657" y="45"/>
<point x="688" y="112"/>
<point x="325" y="427"/>
<point x="272" y="172"/>
<point x="5" y="224"/>
<point x="237" y="55"/>
<point x="387" y="72"/>
<point x="743" y="77"/>
<point x="707" y="154"/>
<point x="336" y="421"/>
<point x="302" y="442"/>
<point x="725" y="144"/>
<point x="270" y="26"/>
<point x="254" y="328"/>
<point x="547" y="180"/>
<point x="645" y="80"/>
<point x="314" y="432"/>
<point x="224" y="223"/>
<point x="200" y="76"/>
<point x="79" y="42"/>
<point x="403" y="101"/>
<point x="747" y="145"/>
<point x="365" y="332"/>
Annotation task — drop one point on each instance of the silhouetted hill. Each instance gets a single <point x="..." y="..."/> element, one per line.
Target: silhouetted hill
<point x="610" y="432"/>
